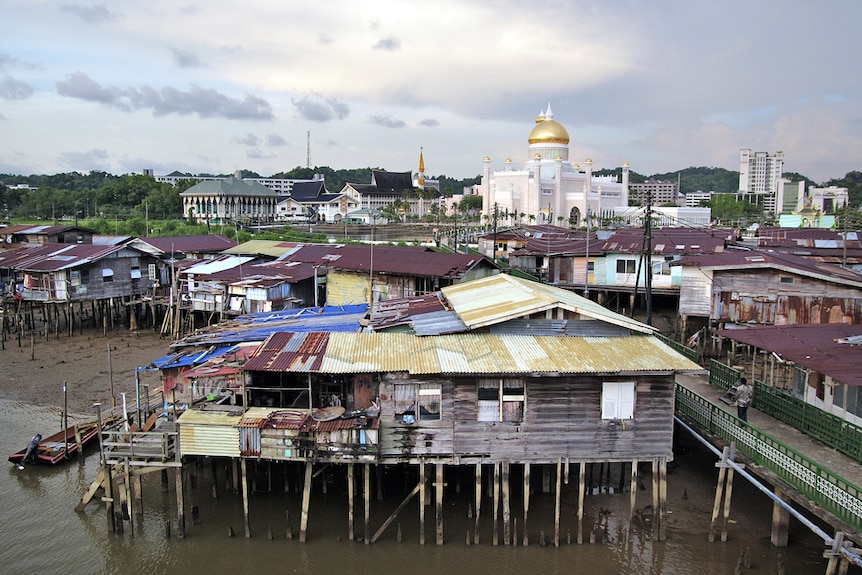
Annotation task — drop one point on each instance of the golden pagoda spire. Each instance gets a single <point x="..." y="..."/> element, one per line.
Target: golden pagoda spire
<point x="420" y="177"/>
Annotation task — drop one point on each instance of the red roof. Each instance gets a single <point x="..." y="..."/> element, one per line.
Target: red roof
<point x="281" y="350"/>
<point x="679" y="241"/>
<point x="54" y="257"/>
<point x="203" y="243"/>
<point x="815" y="346"/>
<point x="402" y="261"/>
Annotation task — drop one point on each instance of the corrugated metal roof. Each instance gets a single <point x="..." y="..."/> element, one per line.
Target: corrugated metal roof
<point x="815" y="346"/>
<point x="498" y="298"/>
<point x="469" y="353"/>
<point x="55" y="257"/>
<point x="191" y="244"/>
<point x="213" y="266"/>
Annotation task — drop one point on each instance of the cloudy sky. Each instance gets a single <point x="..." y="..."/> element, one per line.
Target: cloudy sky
<point x="217" y="85"/>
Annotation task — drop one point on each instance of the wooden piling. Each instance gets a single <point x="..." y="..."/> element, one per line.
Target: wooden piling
<point x="633" y="491"/>
<point x="780" y="521"/>
<point x="507" y="512"/>
<point x="306" y="500"/>
<point x="526" y="540"/>
<point x="366" y="492"/>
<point x="181" y="517"/>
<point x="351" y="493"/>
<point x="581" y="490"/>
<point x="245" y="518"/>
<point x="478" y="501"/>
<point x="662" y="495"/>
<point x="495" y="532"/>
<point x="439" y="504"/>
<point x="422" y="501"/>
<point x="557" y="503"/>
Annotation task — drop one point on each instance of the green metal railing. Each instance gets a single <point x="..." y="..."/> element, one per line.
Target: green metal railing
<point x="686" y="351"/>
<point x="828" y="490"/>
<point x="819" y="424"/>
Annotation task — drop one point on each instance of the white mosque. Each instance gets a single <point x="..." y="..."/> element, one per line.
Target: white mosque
<point x="548" y="187"/>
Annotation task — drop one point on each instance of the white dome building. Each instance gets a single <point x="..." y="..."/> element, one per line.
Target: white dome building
<point x="549" y="186"/>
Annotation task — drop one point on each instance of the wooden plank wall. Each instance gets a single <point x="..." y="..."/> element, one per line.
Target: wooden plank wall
<point x="562" y="419"/>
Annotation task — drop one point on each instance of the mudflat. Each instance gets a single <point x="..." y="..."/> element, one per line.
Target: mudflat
<point x="35" y="371"/>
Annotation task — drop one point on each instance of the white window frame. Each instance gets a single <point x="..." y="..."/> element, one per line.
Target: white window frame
<point x="618" y="400"/>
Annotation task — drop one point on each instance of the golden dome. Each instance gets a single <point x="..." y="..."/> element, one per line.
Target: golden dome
<point x="548" y="132"/>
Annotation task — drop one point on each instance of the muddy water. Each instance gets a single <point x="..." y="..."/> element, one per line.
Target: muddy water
<point x="41" y="533"/>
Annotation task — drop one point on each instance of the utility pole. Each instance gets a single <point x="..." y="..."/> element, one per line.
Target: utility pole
<point x="648" y="256"/>
<point x="587" y="259"/>
<point x="494" y="258"/>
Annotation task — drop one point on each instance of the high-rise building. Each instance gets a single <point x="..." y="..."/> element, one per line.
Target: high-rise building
<point x="760" y="177"/>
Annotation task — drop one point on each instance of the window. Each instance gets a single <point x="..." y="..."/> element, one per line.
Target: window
<point x="786" y="279"/>
<point x="107" y="275"/>
<point x="626" y="266"/>
<point x="618" y="400"/>
<point x="417" y="401"/>
<point x="136" y="272"/>
<point x="501" y="400"/>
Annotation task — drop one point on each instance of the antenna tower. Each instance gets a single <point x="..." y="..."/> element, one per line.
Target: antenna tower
<point x="308" y="150"/>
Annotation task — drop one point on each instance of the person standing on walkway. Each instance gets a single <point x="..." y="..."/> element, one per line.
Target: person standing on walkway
<point x="744" y="393"/>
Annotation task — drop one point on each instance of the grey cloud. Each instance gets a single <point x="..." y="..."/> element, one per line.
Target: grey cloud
<point x="7" y="60"/>
<point x="389" y="44"/>
<point x="206" y="103"/>
<point x="324" y="38"/>
<point x="256" y="154"/>
<point x="91" y="13"/>
<point x="12" y="89"/>
<point x="186" y="58"/>
<point x="274" y="140"/>
<point x="386" y="121"/>
<point x="86" y="160"/>
<point x="247" y="140"/>
<point x="318" y="110"/>
<point x="429" y="123"/>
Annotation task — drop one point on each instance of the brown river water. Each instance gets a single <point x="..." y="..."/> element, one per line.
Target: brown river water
<point x="41" y="533"/>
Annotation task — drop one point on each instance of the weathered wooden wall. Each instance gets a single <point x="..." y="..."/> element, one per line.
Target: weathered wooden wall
<point x="562" y="420"/>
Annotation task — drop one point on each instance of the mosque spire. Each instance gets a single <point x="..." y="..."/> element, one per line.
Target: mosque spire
<point x="420" y="177"/>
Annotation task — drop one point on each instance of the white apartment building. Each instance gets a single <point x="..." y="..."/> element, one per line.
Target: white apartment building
<point x="760" y="180"/>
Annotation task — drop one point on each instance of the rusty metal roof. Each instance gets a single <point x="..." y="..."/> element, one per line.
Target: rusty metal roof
<point x="501" y="297"/>
<point x="468" y="353"/>
<point x="56" y="257"/>
<point x="749" y="259"/>
<point x="199" y="243"/>
<point x="820" y="347"/>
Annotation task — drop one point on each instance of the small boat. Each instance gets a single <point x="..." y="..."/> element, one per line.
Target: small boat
<point x="55" y="448"/>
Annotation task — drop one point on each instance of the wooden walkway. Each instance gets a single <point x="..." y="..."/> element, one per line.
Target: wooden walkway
<point x="820" y="454"/>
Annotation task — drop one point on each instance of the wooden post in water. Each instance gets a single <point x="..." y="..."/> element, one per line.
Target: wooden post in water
<point x="662" y="495"/>
<point x="181" y="514"/>
<point x="557" y="503"/>
<point x="351" y="493"/>
<point x="719" y="494"/>
<point x="780" y="521"/>
<point x="655" y="499"/>
<point x="306" y="500"/>
<point x="245" y="518"/>
<point x="422" y="501"/>
<point x="526" y="540"/>
<point x="495" y="533"/>
<point x="366" y="489"/>
<point x="507" y="512"/>
<point x="581" y="490"/>
<point x="633" y="491"/>
<point x="478" y="499"/>
<point x="439" y="504"/>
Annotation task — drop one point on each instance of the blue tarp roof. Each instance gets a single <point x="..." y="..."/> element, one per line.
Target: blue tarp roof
<point x="186" y="358"/>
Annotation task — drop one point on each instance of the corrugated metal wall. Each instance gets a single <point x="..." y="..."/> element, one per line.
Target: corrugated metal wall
<point x="211" y="440"/>
<point x="346" y="288"/>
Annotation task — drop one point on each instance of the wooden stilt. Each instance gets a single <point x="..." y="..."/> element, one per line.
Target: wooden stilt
<point x="306" y="501"/>
<point x="780" y="521"/>
<point x="719" y="495"/>
<point x="351" y="494"/>
<point x="422" y="502"/>
<point x="394" y="514"/>
<point x="728" y="490"/>
<point x="633" y="491"/>
<point x="546" y="479"/>
<point x="245" y="518"/>
<point x="526" y="540"/>
<point x="581" y="489"/>
<point x="655" y="499"/>
<point x="367" y="495"/>
<point x="438" y="488"/>
<point x="557" y="503"/>
<point x="662" y="494"/>
<point x="495" y="533"/>
<point x="181" y="515"/>
<point x="139" y="493"/>
<point x="478" y="502"/>
<point x="128" y="488"/>
<point x="507" y="512"/>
